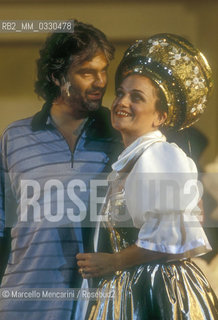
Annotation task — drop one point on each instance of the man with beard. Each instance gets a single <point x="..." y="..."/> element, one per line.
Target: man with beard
<point x="48" y="163"/>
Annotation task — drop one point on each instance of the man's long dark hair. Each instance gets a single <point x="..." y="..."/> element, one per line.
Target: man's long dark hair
<point x="61" y="50"/>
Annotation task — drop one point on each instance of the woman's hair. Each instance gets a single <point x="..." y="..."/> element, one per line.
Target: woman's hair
<point x="161" y="104"/>
<point x="61" y="50"/>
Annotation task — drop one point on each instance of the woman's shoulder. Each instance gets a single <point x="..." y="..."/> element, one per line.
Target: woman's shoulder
<point x="164" y="157"/>
<point x="167" y="148"/>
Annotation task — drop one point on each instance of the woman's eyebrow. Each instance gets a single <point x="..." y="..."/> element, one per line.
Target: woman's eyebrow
<point x="139" y="91"/>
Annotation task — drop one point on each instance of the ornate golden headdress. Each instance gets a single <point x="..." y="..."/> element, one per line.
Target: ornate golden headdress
<point x="180" y="70"/>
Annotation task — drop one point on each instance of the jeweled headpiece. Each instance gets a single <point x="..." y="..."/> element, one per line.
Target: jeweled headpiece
<point x="180" y="70"/>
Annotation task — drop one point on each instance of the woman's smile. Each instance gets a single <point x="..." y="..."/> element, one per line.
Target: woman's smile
<point x="122" y="114"/>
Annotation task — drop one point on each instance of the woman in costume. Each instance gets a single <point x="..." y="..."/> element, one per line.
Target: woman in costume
<point x="150" y="216"/>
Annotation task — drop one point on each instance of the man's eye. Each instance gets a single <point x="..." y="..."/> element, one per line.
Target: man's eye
<point x="86" y="74"/>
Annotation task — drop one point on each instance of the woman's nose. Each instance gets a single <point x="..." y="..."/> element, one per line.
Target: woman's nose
<point x="124" y="101"/>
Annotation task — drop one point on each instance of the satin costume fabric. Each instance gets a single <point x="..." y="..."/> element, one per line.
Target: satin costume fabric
<point x="171" y="290"/>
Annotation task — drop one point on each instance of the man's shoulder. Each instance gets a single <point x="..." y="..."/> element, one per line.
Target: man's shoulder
<point x="22" y="125"/>
<point x="21" y="122"/>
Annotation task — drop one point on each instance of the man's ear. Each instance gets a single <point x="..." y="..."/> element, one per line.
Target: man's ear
<point x="56" y="81"/>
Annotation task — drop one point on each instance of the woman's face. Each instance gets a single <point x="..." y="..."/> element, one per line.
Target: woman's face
<point x="134" y="111"/>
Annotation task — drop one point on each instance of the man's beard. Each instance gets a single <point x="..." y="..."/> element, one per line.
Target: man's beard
<point x="87" y="104"/>
<point x="91" y="105"/>
<point x="83" y="106"/>
<point x="81" y="103"/>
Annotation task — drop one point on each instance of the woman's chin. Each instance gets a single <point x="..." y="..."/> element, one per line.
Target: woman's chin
<point x="118" y="126"/>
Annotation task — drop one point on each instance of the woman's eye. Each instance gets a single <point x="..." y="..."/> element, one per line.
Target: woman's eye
<point x="136" y="97"/>
<point x="119" y="93"/>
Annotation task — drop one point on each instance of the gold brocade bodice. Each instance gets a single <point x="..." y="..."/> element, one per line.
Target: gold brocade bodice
<point x="118" y="224"/>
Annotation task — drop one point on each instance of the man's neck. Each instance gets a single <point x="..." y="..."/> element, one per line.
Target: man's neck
<point x="66" y="122"/>
<point x="64" y="116"/>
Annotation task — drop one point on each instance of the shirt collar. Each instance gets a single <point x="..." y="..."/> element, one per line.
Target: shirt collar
<point x="135" y="149"/>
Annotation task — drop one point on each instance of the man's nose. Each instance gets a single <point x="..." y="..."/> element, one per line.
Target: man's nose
<point x="100" y="80"/>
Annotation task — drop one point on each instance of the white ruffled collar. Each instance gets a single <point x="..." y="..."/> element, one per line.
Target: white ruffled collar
<point x="135" y="149"/>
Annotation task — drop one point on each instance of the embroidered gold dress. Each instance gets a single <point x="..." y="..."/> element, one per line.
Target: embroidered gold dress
<point x="155" y="206"/>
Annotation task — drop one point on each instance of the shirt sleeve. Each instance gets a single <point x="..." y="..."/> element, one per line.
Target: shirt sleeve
<point x="2" y="192"/>
<point x="162" y="194"/>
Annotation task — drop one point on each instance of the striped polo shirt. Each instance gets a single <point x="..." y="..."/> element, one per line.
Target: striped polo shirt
<point x="49" y="187"/>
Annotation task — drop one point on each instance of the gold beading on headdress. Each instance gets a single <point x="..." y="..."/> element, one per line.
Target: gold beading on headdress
<point x="180" y="70"/>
